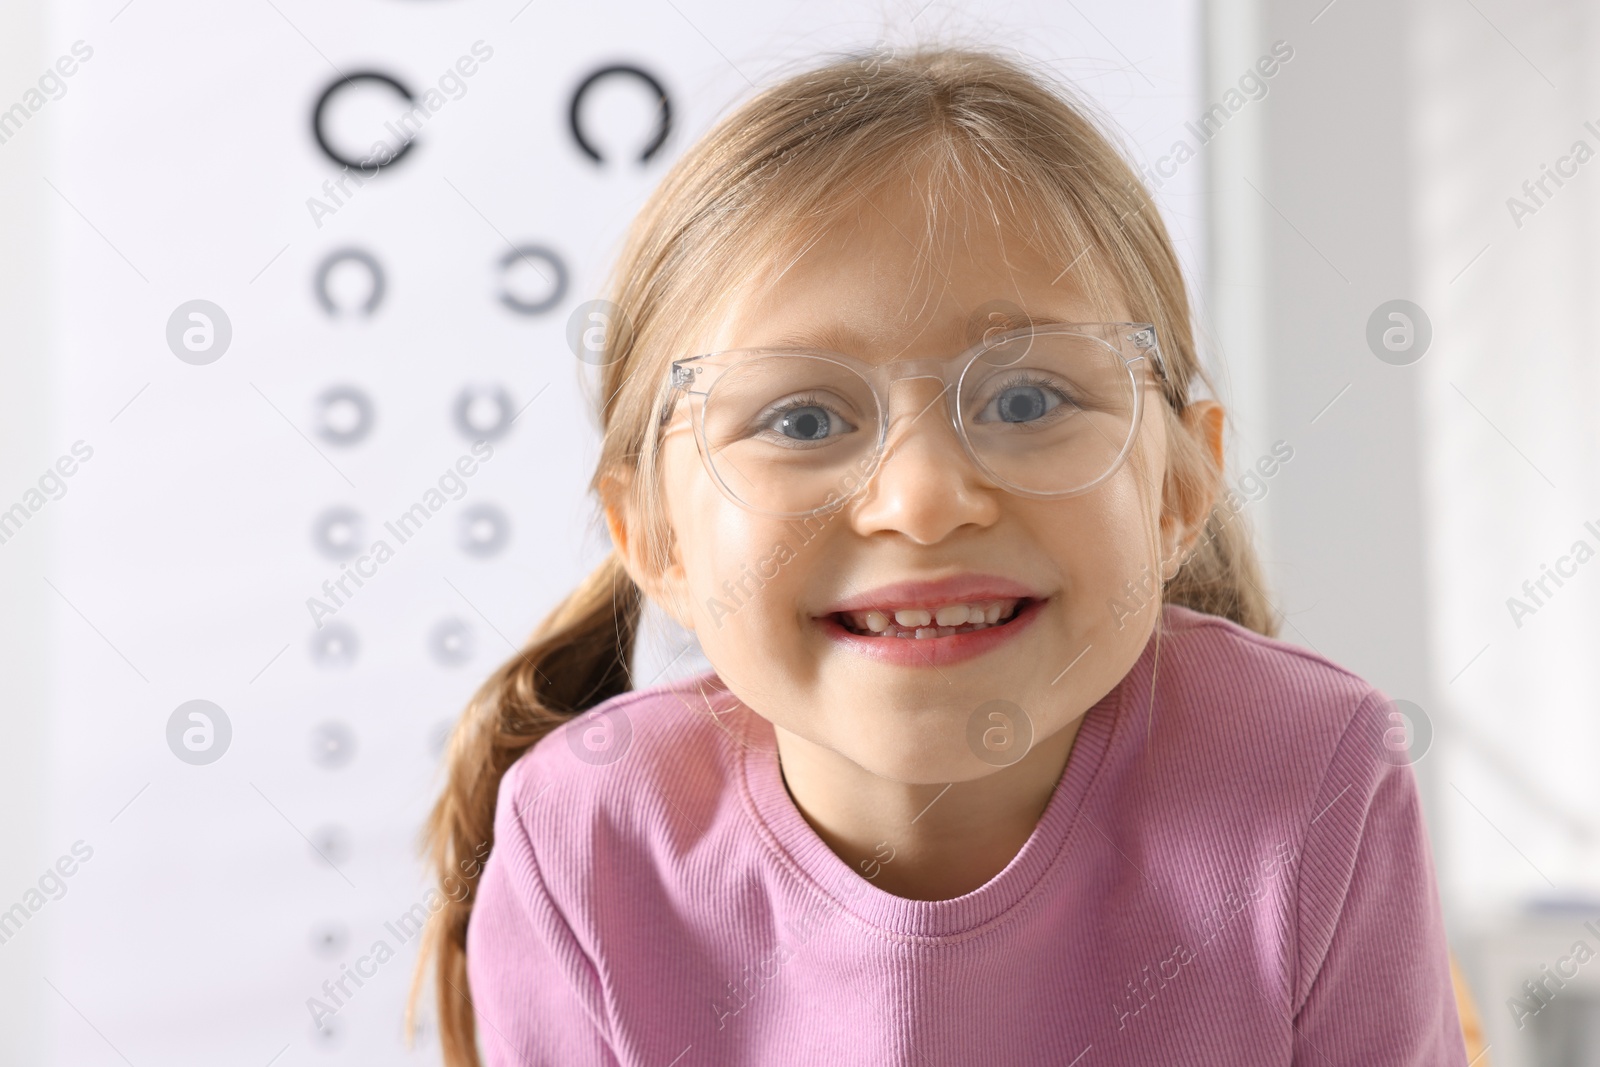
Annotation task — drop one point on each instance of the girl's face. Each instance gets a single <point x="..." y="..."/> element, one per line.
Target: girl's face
<point x="763" y="594"/>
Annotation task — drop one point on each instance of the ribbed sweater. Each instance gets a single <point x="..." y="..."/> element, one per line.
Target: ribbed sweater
<point x="1236" y="873"/>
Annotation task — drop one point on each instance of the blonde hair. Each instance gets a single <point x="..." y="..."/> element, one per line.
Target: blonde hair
<point x="768" y="177"/>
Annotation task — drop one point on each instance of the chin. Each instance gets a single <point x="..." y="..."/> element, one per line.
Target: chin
<point x="930" y="748"/>
<point x="953" y="768"/>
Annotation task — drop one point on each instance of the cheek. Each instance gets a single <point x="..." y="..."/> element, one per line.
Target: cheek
<point x="744" y="575"/>
<point x="1129" y="518"/>
<point x="1100" y="539"/>
<point x="1098" y="546"/>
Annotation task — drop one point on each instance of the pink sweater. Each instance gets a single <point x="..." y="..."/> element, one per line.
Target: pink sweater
<point x="1250" y="885"/>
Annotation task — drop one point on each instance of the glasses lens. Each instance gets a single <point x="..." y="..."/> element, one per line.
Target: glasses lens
<point x="1050" y="412"/>
<point x="783" y="432"/>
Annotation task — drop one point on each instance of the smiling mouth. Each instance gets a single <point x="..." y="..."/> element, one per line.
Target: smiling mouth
<point x="924" y="624"/>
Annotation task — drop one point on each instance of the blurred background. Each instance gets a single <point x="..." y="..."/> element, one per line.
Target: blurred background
<point x="231" y="360"/>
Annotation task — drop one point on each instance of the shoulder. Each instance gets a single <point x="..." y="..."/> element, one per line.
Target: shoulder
<point x="1282" y="693"/>
<point x="639" y="740"/>
<point x="1296" y="756"/>
<point x="1256" y="730"/>
<point x="660" y="761"/>
<point x="591" y="825"/>
<point x="1224" y="649"/>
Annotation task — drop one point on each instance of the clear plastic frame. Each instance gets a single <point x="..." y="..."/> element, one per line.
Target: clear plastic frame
<point x="1042" y="411"/>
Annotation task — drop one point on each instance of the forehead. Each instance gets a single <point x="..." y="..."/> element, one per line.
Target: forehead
<point x="895" y="275"/>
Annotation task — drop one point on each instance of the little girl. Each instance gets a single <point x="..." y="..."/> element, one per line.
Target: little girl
<point x="998" y="761"/>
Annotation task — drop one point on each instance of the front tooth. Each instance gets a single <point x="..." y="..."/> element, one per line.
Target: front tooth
<point x="952" y="615"/>
<point x="927" y="631"/>
<point x="877" y="621"/>
<point x="913" y="617"/>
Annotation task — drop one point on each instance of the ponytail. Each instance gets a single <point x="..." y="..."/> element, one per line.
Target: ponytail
<point x="578" y="657"/>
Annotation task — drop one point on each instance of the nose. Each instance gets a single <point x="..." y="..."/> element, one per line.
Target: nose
<point x="926" y="486"/>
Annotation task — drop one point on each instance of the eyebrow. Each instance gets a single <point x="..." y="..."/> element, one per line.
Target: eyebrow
<point x="834" y="336"/>
<point x="839" y="338"/>
<point x="1016" y="320"/>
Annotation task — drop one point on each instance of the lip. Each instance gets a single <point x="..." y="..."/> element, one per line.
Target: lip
<point x="962" y="589"/>
<point x="932" y="651"/>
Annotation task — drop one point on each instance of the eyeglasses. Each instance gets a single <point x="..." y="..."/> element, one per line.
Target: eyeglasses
<point x="1043" y="411"/>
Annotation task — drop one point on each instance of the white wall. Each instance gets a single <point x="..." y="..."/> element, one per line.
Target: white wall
<point x="1509" y="407"/>
<point x="1428" y="492"/>
<point x="27" y="439"/>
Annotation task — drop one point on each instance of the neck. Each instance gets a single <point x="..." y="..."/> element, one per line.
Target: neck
<point x="923" y="842"/>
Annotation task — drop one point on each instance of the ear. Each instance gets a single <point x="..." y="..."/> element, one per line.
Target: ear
<point x="1189" y="506"/>
<point x="667" y="588"/>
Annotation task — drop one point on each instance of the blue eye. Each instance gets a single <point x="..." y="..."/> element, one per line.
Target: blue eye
<point x="1023" y="404"/>
<point x="1023" y="400"/>
<point x="802" y="421"/>
<point x="809" y="423"/>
